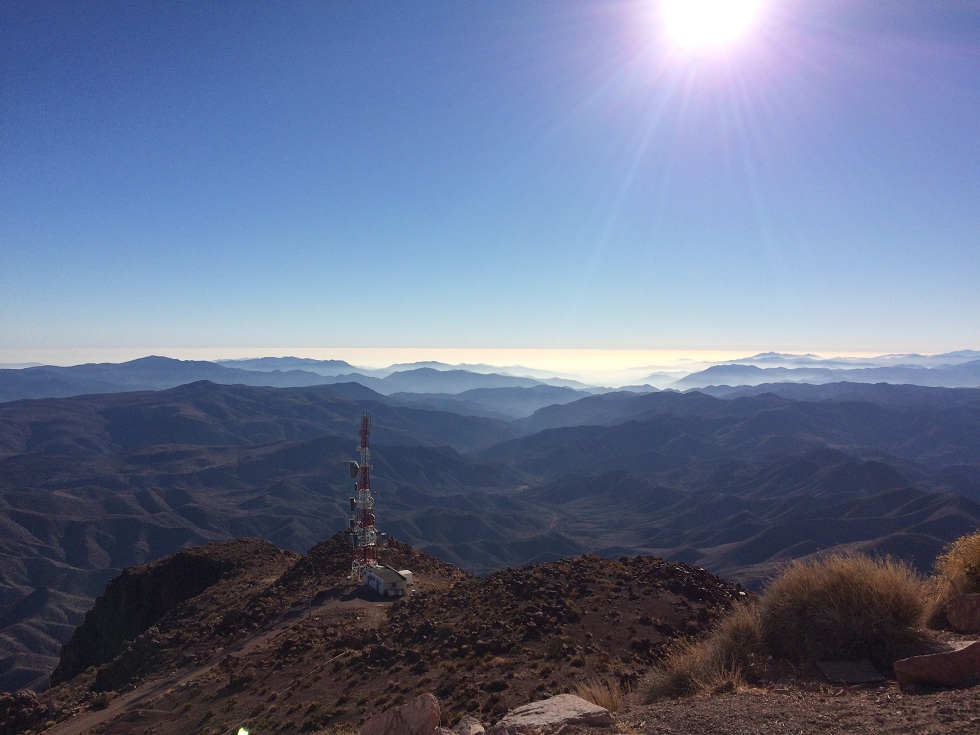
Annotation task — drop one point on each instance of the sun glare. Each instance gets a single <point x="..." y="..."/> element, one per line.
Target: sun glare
<point x="707" y="25"/>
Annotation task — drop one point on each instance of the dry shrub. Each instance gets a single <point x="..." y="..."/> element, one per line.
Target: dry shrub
<point x="101" y="700"/>
<point x="939" y="593"/>
<point x="844" y="606"/>
<point x="601" y="692"/>
<point x="957" y="572"/>
<point x="959" y="565"/>
<point x="719" y="661"/>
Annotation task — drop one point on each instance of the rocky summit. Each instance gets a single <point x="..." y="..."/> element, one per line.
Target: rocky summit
<point x="240" y="634"/>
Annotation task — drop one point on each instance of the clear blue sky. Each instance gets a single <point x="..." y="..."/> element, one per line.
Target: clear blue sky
<point x="487" y="174"/>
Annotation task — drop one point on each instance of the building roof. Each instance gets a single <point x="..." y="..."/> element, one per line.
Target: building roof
<point x="386" y="574"/>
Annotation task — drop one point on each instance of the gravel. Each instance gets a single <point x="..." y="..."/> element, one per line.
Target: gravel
<point x="792" y="711"/>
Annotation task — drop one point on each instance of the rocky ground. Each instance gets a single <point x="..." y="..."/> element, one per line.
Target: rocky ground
<point x="807" y="710"/>
<point x="241" y="634"/>
<point x="278" y="643"/>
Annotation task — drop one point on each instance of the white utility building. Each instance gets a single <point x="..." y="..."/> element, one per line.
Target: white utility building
<point x="386" y="581"/>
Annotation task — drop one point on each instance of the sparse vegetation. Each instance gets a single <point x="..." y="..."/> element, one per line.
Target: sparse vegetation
<point x="102" y="699"/>
<point x="722" y="659"/>
<point x="601" y="692"/>
<point x="844" y="606"/>
<point x="957" y="572"/>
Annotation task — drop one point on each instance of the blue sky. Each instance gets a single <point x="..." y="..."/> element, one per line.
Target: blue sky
<point x="269" y="177"/>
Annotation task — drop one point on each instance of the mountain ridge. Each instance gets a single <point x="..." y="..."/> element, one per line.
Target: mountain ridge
<point x="162" y="373"/>
<point x="962" y="375"/>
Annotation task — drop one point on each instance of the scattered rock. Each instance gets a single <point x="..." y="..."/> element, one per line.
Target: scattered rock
<point x="552" y="716"/>
<point x="20" y="711"/>
<point x="419" y="716"/>
<point x="949" y="669"/>
<point x="468" y="725"/>
<point x="963" y="613"/>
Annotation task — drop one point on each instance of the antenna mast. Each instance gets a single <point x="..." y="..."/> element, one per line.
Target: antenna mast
<point x="363" y="534"/>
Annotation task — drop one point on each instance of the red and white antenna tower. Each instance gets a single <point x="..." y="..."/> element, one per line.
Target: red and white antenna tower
<point x="363" y="534"/>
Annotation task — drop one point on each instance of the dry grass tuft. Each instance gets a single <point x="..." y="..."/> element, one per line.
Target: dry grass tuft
<point x="719" y="661"/>
<point x="957" y="572"/>
<point x="843" y="606"/>
<point x="601" y="692"/>
<point x="959" y="565"/>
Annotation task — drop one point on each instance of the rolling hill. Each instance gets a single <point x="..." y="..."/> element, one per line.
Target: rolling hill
<point x="92" y="484"/>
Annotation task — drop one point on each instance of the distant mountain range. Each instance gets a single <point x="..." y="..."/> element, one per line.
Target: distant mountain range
<point x="783" y="359"/>
<point x="437" y="382"/>
<point x="965" y="375"/>
<point x="883" y="394"/>
<point x="160" y="373"/>
<point x="737" y="484"/>
<point x="306" y="364"/>
<point x="949" y="370"/>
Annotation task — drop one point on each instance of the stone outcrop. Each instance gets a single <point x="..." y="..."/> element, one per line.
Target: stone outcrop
<point x="948" y="669"/>
<point x="139" y="597"/>
<point x="963" y="613"/>
<point x="419" y="716"/>
<point x="552" y="716"/>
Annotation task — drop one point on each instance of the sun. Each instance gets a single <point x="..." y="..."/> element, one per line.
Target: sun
<point x="708" y="25"/>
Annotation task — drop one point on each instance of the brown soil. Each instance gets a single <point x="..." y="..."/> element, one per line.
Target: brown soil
<point x="302" y="649"/>
<point x="290" y="645"/>
<point x="805" y="711"/>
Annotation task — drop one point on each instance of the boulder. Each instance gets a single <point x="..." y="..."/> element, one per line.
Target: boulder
<point x="419" y="716"/>
<point x="468" y="725"/>
<point x="963" y="613"/>
<point x="551" y="716"/>
<point x="948" y="669"/>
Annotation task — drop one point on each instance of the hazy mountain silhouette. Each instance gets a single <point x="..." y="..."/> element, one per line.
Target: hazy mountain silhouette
<point x="509" y="403"/>
<point x="146" y="373"/>
<point x="272" y="364"/>
<point x="884" y="394"/>
<point x="782" y="359"/>
<point x="204" y="413"/>
<point x="161" y="373"/>
<point x="963" y="375"/>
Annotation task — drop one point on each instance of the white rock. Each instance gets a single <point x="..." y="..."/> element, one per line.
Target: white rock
<point x="551" y="716"/>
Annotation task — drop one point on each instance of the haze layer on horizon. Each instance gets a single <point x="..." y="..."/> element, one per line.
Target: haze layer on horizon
<point x="592" y="366"/>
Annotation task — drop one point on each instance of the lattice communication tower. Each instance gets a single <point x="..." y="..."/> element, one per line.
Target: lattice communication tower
<point x="363" y="533"/>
